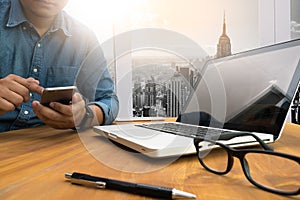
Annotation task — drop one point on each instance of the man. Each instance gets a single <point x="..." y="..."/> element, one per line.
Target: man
<point x="42" y="46"/>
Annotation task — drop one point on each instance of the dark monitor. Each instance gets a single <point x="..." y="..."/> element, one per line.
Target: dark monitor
<point x="250" y="91"/>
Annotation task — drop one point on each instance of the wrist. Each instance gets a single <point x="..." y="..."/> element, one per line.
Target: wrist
<point x="87" y="119"/>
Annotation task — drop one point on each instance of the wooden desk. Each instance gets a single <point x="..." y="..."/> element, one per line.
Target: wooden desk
<point x="33" y="163"/>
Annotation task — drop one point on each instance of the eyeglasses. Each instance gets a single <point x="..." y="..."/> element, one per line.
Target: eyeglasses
<point x="266" y="169"/>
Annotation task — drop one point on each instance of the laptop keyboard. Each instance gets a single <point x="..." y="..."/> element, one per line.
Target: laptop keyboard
<point x="188" y="130"/>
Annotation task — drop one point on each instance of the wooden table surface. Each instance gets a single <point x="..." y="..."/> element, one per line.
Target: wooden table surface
<point x="33" y="163"/>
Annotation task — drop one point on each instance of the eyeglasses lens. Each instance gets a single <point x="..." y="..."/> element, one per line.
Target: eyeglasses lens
<point x="274" y="171"/>
<point x="216" y="159"/>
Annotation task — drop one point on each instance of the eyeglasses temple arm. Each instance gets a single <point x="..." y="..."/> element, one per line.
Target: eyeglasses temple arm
<point x="229" y="136"/>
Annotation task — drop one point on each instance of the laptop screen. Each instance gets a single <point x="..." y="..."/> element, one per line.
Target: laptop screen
<point x="249" y="91"/>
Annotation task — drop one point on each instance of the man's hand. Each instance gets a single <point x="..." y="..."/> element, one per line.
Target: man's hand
<point x="61" y="116"/>
<point x="14" y="90"/>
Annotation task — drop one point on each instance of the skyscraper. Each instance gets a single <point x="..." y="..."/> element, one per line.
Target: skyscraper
<point x="224" y="45"/>
<point x="174" y="95"/>
<point x="150" y="93"/>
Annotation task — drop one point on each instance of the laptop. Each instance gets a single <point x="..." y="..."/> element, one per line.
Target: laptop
<point x="250" y="91"/>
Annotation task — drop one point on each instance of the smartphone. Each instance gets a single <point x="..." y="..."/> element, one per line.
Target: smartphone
<point x="58" y="94"/>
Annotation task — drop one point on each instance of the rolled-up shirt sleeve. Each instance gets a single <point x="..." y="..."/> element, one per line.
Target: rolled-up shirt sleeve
<point x="95" y="83"/>
<point x="106" y="99"/>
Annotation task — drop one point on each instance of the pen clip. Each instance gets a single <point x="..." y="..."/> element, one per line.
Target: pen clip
<point x="97" y="184"/>
<point x="101" y="185"/>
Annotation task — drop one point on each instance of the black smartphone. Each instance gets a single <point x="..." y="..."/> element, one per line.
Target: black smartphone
<point x="58" y="94"/>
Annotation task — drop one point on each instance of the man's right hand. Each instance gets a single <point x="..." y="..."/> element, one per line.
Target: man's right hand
<point x="14" y="90"/>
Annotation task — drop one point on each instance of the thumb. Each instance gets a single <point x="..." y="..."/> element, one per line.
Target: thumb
<point x="76" y="98"/>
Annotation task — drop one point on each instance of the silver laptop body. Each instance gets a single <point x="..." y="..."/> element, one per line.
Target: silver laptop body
<point x="250" y="91"/>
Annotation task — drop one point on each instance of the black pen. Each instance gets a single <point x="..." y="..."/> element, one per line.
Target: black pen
<point x="141" y="189"/>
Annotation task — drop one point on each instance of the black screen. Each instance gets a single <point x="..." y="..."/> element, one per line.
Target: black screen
<point x="249" y="91"/>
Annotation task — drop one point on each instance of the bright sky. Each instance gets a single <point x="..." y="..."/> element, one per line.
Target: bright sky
<point x="200" y="20"/>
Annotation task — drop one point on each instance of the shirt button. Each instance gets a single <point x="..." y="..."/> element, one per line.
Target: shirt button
<point x="39" y="44"/>
<point x="35" y="70"/>
<point x="30" y="94"/>
<point x="24" y="28"/>
<point x="26" y="112"/>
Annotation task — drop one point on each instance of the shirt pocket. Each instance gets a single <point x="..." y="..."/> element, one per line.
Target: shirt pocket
<point x="61" y="76"/>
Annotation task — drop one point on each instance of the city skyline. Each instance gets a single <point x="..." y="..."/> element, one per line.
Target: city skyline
<point x="161" y="87"/>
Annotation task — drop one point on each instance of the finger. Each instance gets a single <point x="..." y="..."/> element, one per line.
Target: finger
<point x="51" y="117"/>
<point x="78" y="110"/>
<point x="78" y="106"/>
<point x="34" y="80"/>
<point x="6" y="106"/>
<point x="20" y="86"/>
<point x="41" y="111"/>
<point x="62" y="108"/>
<point x="30" y="83"/>
<point x="9" y="86"/>
<point x="10" y="97"/>
<point x="45" y="113"/>
<point x="33" y="85"/>
<point x="76" y="98"/>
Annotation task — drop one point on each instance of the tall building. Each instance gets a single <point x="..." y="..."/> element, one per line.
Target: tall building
<point x="150" y="93"/>
<point x="138" y="95"/>
<point x="178" y="90"/>
<point x="174" y="95"/>
<point x="185" y="72"/>
<point x="224" y="45"/>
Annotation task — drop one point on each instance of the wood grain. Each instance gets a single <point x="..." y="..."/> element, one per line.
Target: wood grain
<point x="33" y="163"/>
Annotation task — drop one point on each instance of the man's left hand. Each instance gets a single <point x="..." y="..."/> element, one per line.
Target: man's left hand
<point x="61" y="116"/>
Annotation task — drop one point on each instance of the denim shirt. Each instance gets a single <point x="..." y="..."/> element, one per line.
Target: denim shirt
<point x="68" y="54"/>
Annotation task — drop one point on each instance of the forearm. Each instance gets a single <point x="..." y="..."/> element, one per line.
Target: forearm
<point x="98" y="115"/>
